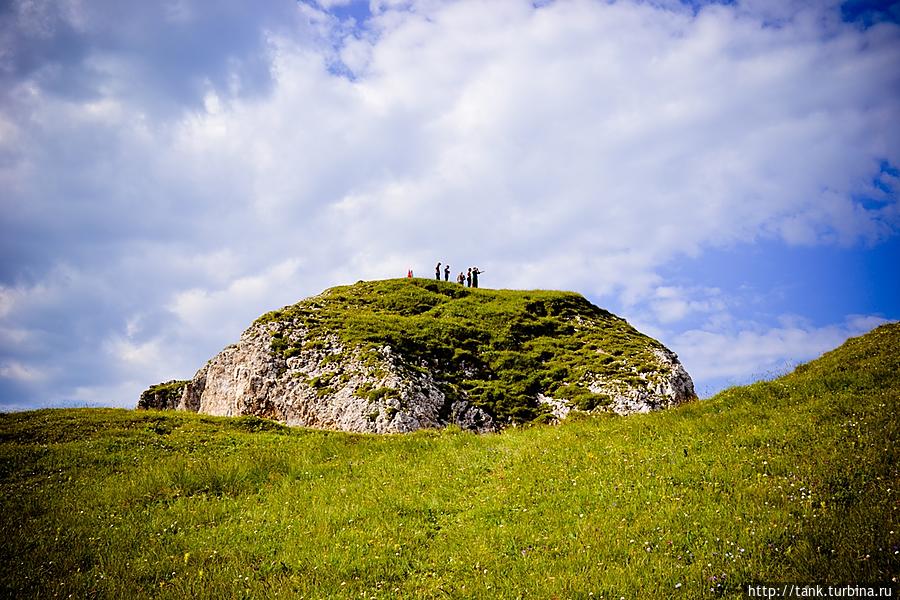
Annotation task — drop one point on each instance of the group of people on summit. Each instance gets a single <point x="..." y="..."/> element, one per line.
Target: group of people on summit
<point x="469" y="278"/>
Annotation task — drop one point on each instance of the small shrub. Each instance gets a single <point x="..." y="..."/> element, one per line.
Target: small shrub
<point x="378" y="394"/>
<point x="292" y="351"/>
<point x="315" y="344"/>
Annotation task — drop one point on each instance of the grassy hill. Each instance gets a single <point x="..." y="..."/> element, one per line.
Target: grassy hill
<point x="796" y="479"/>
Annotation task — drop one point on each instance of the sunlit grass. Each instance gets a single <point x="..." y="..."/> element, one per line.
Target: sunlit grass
<point x="791" y="480"/>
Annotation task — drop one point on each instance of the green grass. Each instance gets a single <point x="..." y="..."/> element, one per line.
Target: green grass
<point x="796" y="479"/>
<point x="498" y="349"/>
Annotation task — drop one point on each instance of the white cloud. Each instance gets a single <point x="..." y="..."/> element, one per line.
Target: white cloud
<point x="671" y="303"/>
<point x="744" y="353"/>
<point x="156" y="207"/>
<point x="327" y="4"/>
<point x="577" y="130"/>
<point x="233" y="307"/>
<point x="142" y="358"/>
<point x="122" y="394"/>
<point x="630" y="126"/>
<point x="21" y="372"/>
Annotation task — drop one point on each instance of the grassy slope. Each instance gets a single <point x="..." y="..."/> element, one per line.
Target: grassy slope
<point x="514" y="344"/>
<point x="791" y="480"/>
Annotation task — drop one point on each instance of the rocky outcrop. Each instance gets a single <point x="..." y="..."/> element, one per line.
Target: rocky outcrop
<point x="323" y="386"/>
<point x="666" y="386"/>
<point x="289" y="366"/>
<point x="163" y="396"/>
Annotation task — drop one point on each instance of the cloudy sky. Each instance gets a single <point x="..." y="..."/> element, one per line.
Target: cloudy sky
<point x="723" y="175"/>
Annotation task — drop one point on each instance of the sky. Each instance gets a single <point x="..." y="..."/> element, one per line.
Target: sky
<point x="724" y="175"/>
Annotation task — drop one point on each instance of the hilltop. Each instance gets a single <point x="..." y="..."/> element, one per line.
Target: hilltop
<point x="403" y="354"/>
<point x="791" y="480"/>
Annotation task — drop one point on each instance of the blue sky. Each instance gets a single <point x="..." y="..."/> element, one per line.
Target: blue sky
<point x="723" y="175"/>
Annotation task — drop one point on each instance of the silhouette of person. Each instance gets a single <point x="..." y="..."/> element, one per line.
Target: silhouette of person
<point x="447" y="273"/>
<point x="437" y="272"/>
<point x="475" y="273"/>
<point x="469" y="277"/>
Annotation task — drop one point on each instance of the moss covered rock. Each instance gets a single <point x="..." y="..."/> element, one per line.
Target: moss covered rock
<point x="163" y="396"/>
<point x="402" y="354"/>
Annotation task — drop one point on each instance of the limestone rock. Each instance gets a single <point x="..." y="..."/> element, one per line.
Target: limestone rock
<point x="397" y="356"/>
<point x="323" y="386"/>
<point x="163" y="396"/>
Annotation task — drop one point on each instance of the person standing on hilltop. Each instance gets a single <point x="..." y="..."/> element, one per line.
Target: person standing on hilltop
<point x="475" y="273"/>
<point x="409" y="274"/>
<point x="461" y="278"/>
<point x="469" y="277"/>
<point x="437" y="272"/>
<point x="447" y="273"/>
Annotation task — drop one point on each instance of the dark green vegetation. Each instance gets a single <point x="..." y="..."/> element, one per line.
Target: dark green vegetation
<point x="796" y="479"/>
<point x="497" y="348"/>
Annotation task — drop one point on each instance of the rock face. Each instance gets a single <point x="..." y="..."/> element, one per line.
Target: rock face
<point x="323" y="386"/>
<point x="401" y="355"/>
<point x="163" y="396"/>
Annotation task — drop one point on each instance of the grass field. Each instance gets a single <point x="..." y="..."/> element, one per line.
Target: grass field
<point x="796" y="479"/>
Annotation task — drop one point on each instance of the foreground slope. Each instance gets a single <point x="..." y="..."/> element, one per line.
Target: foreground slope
<point x="405" y="354"/>
<point x="796" y="479"/>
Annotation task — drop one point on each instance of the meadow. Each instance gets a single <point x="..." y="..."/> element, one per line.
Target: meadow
<point x="795" y="479"/>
